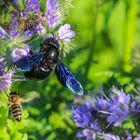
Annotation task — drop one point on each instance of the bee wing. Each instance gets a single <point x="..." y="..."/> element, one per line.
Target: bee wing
<point x="67" y="79"/>
<point x="26" y="63"/>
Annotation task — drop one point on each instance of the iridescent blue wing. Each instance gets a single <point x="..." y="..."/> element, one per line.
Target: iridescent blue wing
<point x="67" y="79"/>
<point x="26" y="63"/>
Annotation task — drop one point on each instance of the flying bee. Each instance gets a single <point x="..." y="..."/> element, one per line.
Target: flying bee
<point x="14" y="102"/>
<point x="48" y="59"/>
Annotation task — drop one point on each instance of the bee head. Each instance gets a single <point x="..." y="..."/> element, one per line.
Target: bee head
<point x="49" y="42"/>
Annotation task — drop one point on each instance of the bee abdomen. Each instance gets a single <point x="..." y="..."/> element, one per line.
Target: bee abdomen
<point x="17" y="112"/>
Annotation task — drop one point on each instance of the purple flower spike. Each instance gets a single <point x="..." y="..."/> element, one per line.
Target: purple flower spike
<point x="5" y="80"/>
<point x="5" y="77"/>
<point x="88" y="133"/>
<point x="33" y="5"/>
<point x="118" y="107"/>
<point x="14" y="23"/>
<point x="15" y="2"/>
<point x="19" y="53"/>
<point x="135" y="107"/>
<point x="52" y="13"/>
<point x="65" y="33"/>
<point x="115" y="108"/>
<point x="83" y="114"/>
<point x="40" y="29"/>
<point x="109" y="137"/>
<point x="28" y="33"/>
<point x="2" y="64"/>
<point x="3" y="33"/>
<point x="94" y="126"/>
<point x="14" y="33"/>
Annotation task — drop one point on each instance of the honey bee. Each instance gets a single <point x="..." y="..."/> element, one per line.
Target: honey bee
<point x="14" y="103"/>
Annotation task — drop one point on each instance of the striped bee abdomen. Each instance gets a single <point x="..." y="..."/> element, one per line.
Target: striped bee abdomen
<point x="16" y="110"/>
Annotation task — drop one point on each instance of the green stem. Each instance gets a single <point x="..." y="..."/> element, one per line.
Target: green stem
<point x="130" y="33"/>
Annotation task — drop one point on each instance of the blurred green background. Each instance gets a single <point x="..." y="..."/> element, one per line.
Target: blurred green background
<point x="107" y="47"/>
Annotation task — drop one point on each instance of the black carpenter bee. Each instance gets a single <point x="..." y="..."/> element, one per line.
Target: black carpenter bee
<point x="14" y="102"/>
<point x="42" y="64"/>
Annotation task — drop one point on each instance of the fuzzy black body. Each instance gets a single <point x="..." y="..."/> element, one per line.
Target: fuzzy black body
<point x="51" y="56"/>
<point x="14" y="102"/>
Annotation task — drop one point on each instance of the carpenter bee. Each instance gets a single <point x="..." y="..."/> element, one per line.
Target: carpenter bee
<point x="14" y="102"/>
<point x="48" y="59"/>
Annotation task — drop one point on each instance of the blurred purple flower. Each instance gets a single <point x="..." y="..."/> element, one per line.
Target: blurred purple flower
<point x="19" y="53"/>
<point x="101" y="104"/>
<point x="40" y="29"/>
<point x="109" y="137"/>
<point x="14" y="33"/>
<point x="137" y="137"/>
<point x="14" y="23"/>
<point x="52" y="13"/>
<point x="94" y="125"/>
<point x="129" y="137"/>
<point x="88" y="133"/>
<point x="135" y="107"/>
<point x="5" y="77"/>
<point x="2" y="64"/>
<point x="15" y="2"/>
<point x="82" y="115"/>
<point x="29" y="33"/>
<point x="5" y="80"/>
<point x="116" y="107"/>
<point x="65" y="33"/>
<point x="33" y="5"/>
<point x="3" y="33"/>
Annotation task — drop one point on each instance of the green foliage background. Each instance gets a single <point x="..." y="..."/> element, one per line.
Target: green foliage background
<point x="106" y="49"/>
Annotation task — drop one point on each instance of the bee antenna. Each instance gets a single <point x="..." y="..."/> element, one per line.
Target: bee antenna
<point x="53" y="34"/>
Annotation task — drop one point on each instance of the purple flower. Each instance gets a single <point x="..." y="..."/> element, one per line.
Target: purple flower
<point x="116" y="107"/>
<point x="135" y="107"/>
<point x="88" y="133"/>
<point x="19" y="53"/>
<point x="129" y="137"/>
<point x="33" y="5"/>
<point x="137" y="137"/>
<point x="3" y="33"/>
<point x="82" y="115"/>
<point x="94" y="125"/>
<point x="101" y="104"/>
<point x="14" y="33"/>
<point x="14" y="23"/>
<point x="109" y="137"/>
<point x="5" y="77"/>
<point x="40" y="29"/>
<point x="52" y="13"/>
<point x="2" y="64"/>
<point x="15" y="2"/>
<point x="65" y="33"/>
<point x="29" y="33"/>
